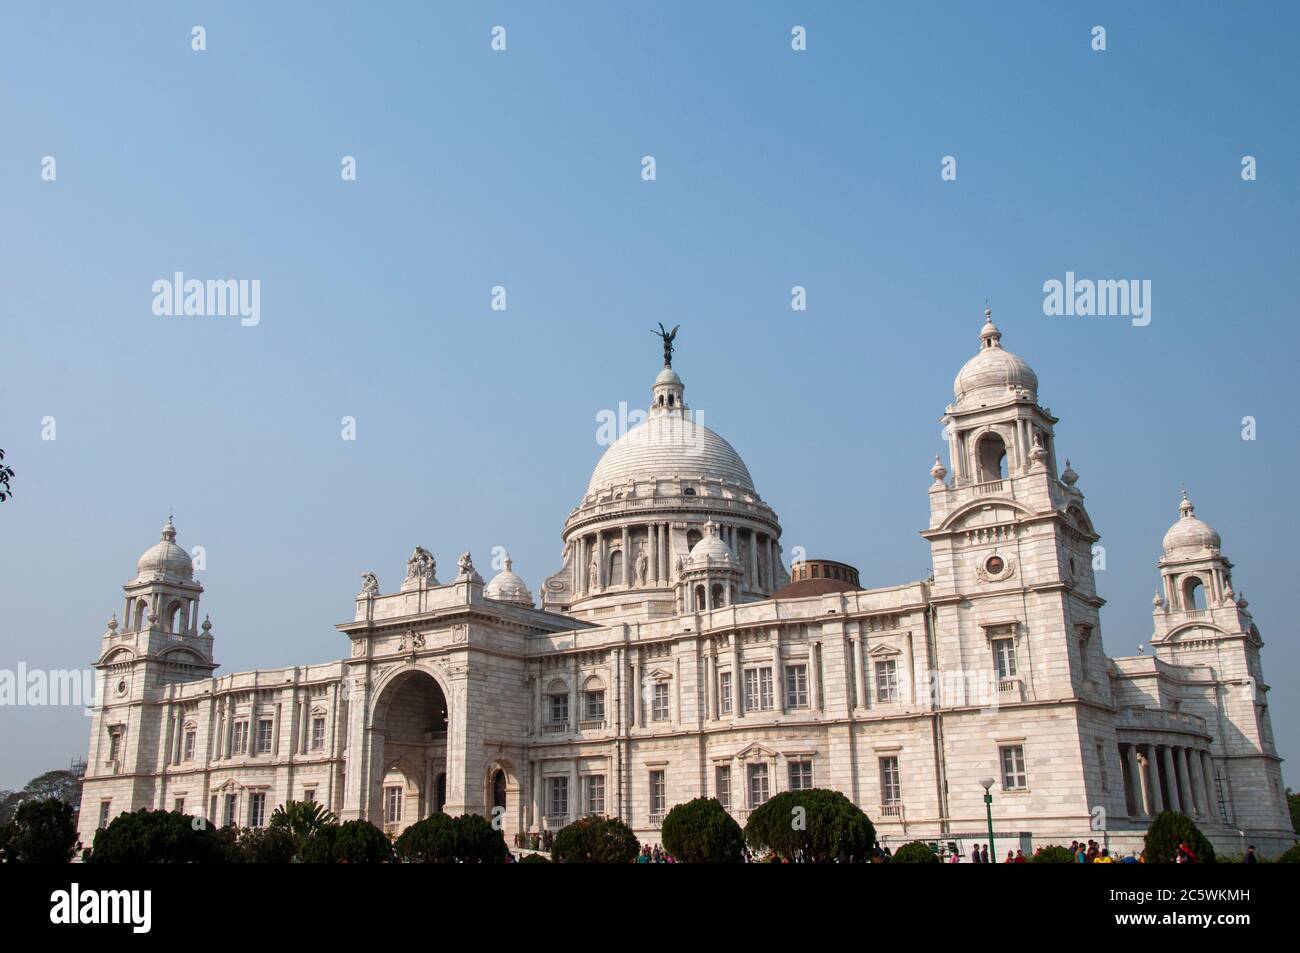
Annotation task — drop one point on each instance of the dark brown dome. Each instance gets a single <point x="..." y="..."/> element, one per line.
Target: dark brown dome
<point x="815" y="577"/>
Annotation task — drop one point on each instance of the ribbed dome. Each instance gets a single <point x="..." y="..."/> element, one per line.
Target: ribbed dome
<point x="507" y="586"/>
<point x="994" y="372"/>
<point x="665" y="446"/>
<point x="165" y="557"/>
<point x="1190" y="536"/>
<point x="711" y="552"/>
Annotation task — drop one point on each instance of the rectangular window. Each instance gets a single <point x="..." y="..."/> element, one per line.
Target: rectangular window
<point x="309" y="795"/>
<point x="800" y="775"/>
<point x="593" y="794"/>
<point x="232" y="810"/>
<point x="1004" y="657"/>
<point x="658" y="795"/>
<point x="757" y="785"/>
<point x="104" y="808"/>
<point x="114" y="744"/>
<point x="559" y="799"/>
<point x="891" y="790"/>
<point x="887" y="680"/>
<point x="722" y="782"/>
<point x="257" y="809"/>
<point x="393" y="804"/>
<point x="318" y="733"/>
<point x="593" y="706"/>
<point x="179" y="805"/>
<point x="758" y="689"/>
<point x="659" y="702"/>
<point x="264" y="726"/>
<point x="1013" y="768"/>
<point x="724" y="693"/>
<point x="239" y="744"/>
<point x="796" y="686"/>
<point x="190" y="736"/>
<point x="558" y="709"/>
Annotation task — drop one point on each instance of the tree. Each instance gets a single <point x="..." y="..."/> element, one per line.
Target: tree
<point x="1168" y="831"/>
<point x="429" y="841"/>
<point x="915" y="852"/>
<point x="478" y="842"/>
<point x="595" y="840"/>
<point x="158" y="837"/>
<point x="702" y="832"/>
<point x="42" y="832"/>
<point x="267" y="845"/>
<point x="302" y="819"/>
<point x="534" y="859"/>
<point x="61" y="784"/>
<point x="818" y="824"/>
<point x="352" y="842"/>
<point x="1053" y="854"/>
<point x="1290" y="856"/>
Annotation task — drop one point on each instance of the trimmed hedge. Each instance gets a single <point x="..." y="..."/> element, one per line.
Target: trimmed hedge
<point x="915" y="852"/>
<point x="702" y="832"/>
<point x="821" y="824"/>
<point x="1167" y="831"/>
<point x="595" y="840"/>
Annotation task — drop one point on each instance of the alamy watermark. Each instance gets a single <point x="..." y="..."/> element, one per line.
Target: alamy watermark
<point x="218" y="297"/>
<point x="1104" y="297"/>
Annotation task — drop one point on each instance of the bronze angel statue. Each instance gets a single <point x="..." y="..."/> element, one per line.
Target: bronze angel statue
<point x="668" y="337"/>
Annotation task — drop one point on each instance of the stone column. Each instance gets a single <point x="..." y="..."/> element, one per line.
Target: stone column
<point x="1171" y="776"/>
<point x="753" y="559"/>
<point x="652" y="553"/>
<point x="627" y="560"/>
<point x="575" y="796"/>
<point x="636" y="692"/>
<point x="859" y="688"/>
<point x="1193" y="760"/>
<point x="1135" y="781"/>
<point x="814" y="676"/>
<point x="1157" y="796"/>
<point x="1184" y="781"/>
<point x="710" y="685"/>
<point x="1211" y="788"/>
<point x="573" y="694"/>
<point x="737" y="678"/>
<point x="778" y="669"/>
<point x="666" y="552"/>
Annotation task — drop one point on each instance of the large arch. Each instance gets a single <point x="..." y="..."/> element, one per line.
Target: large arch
<point x="502" y="788"/>
<point x="409" y="719"/>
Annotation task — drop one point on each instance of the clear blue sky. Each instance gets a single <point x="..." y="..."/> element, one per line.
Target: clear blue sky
<point x="477" y="428"/>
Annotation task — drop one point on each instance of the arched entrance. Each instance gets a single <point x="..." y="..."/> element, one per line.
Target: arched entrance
<point x="411" y="718"/>
<point x="504" y="798"/>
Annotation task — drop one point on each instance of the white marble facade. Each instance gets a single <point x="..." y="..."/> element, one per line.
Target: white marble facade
<point x="659" y="664"/>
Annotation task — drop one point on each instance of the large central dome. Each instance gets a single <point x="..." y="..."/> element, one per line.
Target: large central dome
<point x="665" y="447"/>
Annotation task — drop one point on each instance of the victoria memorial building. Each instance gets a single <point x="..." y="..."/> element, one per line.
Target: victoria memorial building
<point x="674" y="655"/>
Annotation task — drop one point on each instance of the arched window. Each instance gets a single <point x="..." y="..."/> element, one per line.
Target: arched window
<point x="699" y="598"/>
<point x="616" y="567"/>
<point x="174" y="617"/>
<point x="692" y="538"/>
<point x="1193" y="593"/>
<point x="498" y="789"/>
<point x="991" y="454"/>
<point x="141" y="614"/>
<point x="719" y="595"/>
<point x="670" y="400"/>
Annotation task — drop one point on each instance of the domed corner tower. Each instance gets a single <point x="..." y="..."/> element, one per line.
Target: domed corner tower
<point x="646" y="506"/>
<point x="1011" y="542"/>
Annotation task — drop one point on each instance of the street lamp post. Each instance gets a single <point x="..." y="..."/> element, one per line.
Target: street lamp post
<point x="986" y="784"/>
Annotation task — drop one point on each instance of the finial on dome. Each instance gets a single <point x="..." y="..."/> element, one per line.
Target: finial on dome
<point x="1185" y="508"/>
<point x="169" y="530"/>
<point x="1068" y="476"/>
<point x="509" y="562"/>
<point x="668" y="337"/>
<point x="990" y="336"/>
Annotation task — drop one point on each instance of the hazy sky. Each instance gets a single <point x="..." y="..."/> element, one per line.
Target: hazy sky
<point x="477" y="428"/>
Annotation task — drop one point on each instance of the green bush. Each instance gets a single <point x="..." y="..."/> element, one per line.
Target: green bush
<point x="478" y="842"/>
<point x="821" y="824"/>
<point x="1167" y="831"/>
<point x="1290" y="856"/>
<point x="158" y="837"/>
<point x="595" y="840"/>
<point x="42" y="832"/>
<point x="267" y="845"/>
<point x="916" y="852"/>
<point x="352" y="842"/>
<point x="534" y="859"/>
<point x="702" y="832"/>
<point x="429" y="841"/>
<point x="1053" y="854"/>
